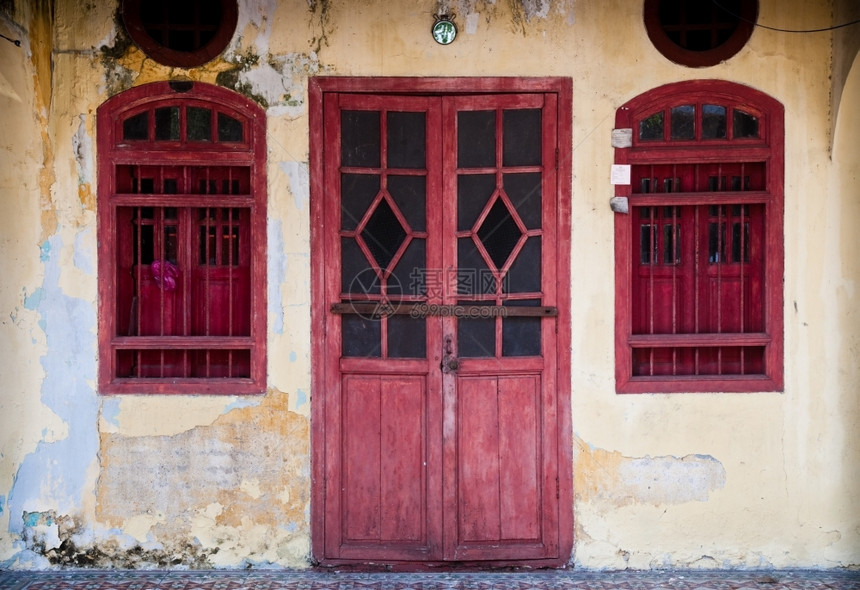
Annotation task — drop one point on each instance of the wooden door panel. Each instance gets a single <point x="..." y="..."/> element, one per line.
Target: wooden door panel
<point x="499" y="458"/>
<point x="385" y="449"/>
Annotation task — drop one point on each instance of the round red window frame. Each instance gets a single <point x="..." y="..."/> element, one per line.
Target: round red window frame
<point x="134" y="25"/>
<point x="706" y="58"/>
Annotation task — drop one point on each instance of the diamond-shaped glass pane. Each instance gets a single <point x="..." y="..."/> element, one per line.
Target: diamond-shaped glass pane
<point x="499" y="233"/>
<point x="383" y="234"/>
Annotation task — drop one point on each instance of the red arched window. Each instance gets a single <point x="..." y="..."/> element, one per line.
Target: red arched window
<point x="182" y="233"/>
<point x="699" y="255"/>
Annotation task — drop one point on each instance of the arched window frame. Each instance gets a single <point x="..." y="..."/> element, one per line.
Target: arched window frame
<point x="694" y="159"/>
<point x="195" y="322"/>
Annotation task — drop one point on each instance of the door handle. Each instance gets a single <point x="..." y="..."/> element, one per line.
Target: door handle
<point x="450" y="363"/>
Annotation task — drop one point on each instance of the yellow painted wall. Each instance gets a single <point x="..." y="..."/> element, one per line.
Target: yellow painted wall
<point x="705" y="480"/>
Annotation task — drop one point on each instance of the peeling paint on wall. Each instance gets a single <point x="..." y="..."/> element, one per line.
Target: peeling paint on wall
<point x="55" y="474"/>
<point x="277" y="269"/>
<point x="300" y="183"/>
<point x="611" y="478"/>
<point x="238" y="486"/>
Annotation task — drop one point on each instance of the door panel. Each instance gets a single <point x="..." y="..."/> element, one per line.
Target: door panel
<point x="385" y="457"/>
<point x="441" y="410"/>
<point x="499" y="451"/>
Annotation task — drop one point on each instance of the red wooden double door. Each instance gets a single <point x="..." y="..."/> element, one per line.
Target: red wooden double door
<point x="441" y="416"/>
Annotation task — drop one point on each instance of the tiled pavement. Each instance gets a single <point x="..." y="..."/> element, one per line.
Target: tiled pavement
<point x="561" y="579"/>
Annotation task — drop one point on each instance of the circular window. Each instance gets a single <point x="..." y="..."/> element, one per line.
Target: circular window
<point x="185" y="33"/>
<point x="697" y="33"/>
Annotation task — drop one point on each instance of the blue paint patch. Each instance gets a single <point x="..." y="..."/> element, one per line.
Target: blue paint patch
<point x="33" y="300"/>
<point x="32" y="519"/>
<point x="277" y="268"/>
<point x="299" y="177"/>
<point x="55" y="473"/>
<point x="301" y="398"/>
<point x="110" y="411"/>
<point x="83" y="256"/>
<point x="293" y="356"/>
<point x="2" y="504"/>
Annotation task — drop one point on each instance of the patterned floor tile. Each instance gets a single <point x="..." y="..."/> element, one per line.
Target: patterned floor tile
<point x="553" y="580"/>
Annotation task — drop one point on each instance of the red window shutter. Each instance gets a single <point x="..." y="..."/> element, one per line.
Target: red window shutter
<point x="182" y="221"/>
<point x="699" y="256"/>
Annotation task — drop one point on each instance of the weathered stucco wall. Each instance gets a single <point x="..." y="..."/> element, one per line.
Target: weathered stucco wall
<point x="711" y="480"/>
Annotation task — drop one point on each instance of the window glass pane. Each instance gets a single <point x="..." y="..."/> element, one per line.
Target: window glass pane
<point x="499" y="233"/>
<point x="671" y="244"/>
<point x="167" y="124"/>
<point x="407" y="337"/>
<point x="476" y="139"/>
<point x="408" y="193"/>
<point x="170" y="243"/>
<point x="713" y="122"/>
<point x="136" y="127"/>
<point x="208" y="245"/>
<point x="360" y="141"/>
<point x="383" y="234"/>
<point x="411" y="276"/>
<point x="229" y="129"/>
<point x="716" y="242"/>
<point x="357" y="193"/>
<point x="521" y="137"/>
<point x="476" y="337"/>
<point x="144" y="249"/>
<point x="473" y="275"/>
<point x="525" y="273"/>
<point x="744" y="124"/>
<point x="406" y="140"/>
<point x="473" y="193"/>
<point x="361" y="336"/>
<point x="356" y="274"/>
<point x="683" y="122"/>
<point x="647" y="244"/>
<point x="651" y="129"/>
<point x="524" y="191"/>
<point x="521" y="335"/>
<point x="199" y="124"/>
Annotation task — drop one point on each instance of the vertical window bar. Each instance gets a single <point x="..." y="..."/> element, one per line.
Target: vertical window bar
<point x="208" y="283"/>
<point x="139" y="283"/>
<point x="230" y="276"/>
<point x="722" y="219"/>
<point x="742" y="327"/>
<point x="383" y="158"/>
<point x="159" y="255"/>
<point x="696" y="264"/>
<point x="652" y="255"/>
<point x="207" y="277"/>
<point x="675" y="260"/>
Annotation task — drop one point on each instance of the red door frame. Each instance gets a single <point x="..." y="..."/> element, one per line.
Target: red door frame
<point x="562" y="88"/>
